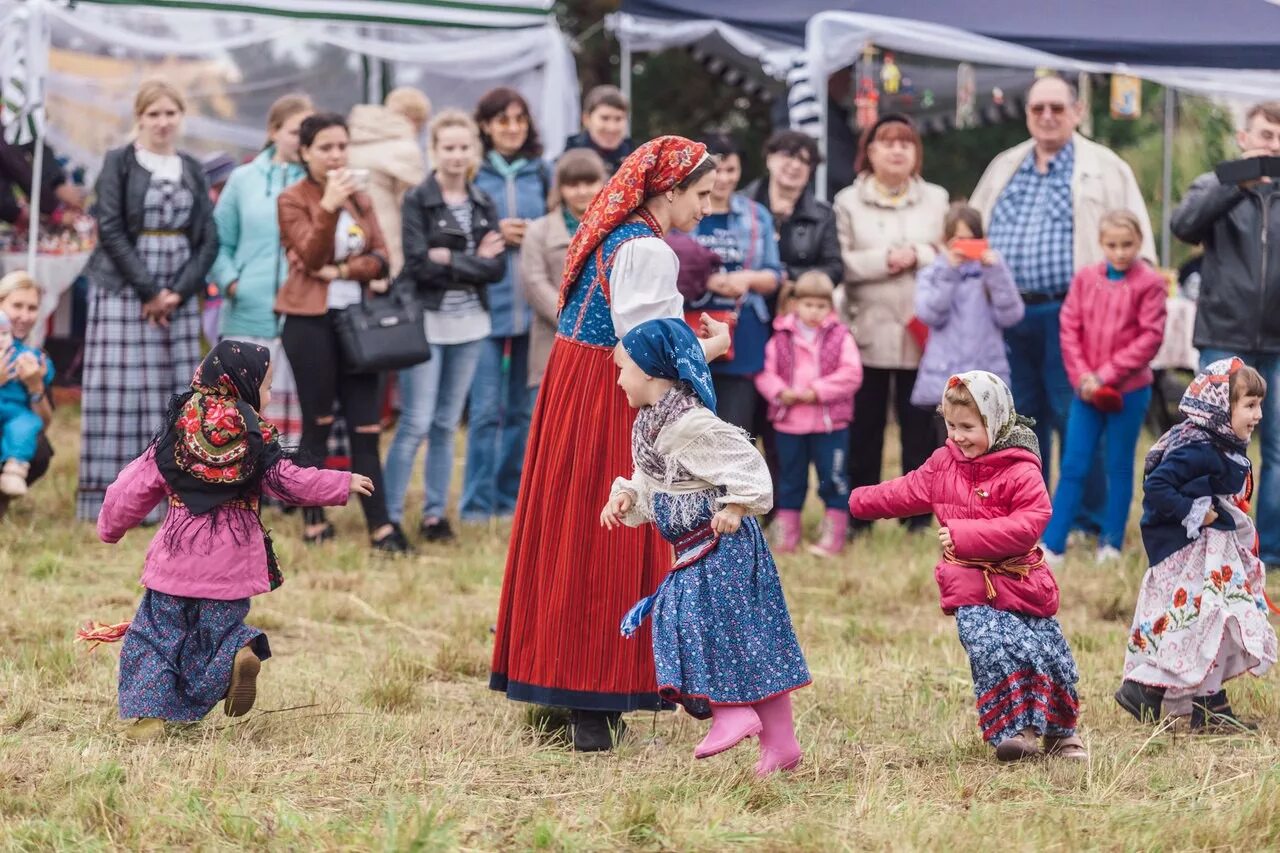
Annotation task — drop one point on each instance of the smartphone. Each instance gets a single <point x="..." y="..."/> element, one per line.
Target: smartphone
<point x="1239" y="171"/>
<point x="971" y="248"/>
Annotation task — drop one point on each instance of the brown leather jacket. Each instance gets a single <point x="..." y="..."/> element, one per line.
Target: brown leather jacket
<point x="307" y="233"/>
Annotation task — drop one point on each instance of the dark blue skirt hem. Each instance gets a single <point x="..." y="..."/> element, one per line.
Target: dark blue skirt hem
<point x="579" y="700"/>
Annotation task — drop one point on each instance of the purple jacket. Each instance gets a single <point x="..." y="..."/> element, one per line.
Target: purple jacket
<point x="209" y="563"/>
<point x="967" y="308"/>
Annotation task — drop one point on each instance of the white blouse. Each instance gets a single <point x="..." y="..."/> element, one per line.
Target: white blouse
<point x="642" y="284"/>
<point x="163" y="167"/>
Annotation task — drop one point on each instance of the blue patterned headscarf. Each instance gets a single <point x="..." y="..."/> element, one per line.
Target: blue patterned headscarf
<point x="668" y="349"/>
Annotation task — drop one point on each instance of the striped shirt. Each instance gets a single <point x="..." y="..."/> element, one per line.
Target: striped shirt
<point x="461" y="317"/>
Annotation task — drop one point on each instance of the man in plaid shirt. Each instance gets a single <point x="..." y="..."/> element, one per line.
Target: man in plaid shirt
<point x="1043" y="201"/>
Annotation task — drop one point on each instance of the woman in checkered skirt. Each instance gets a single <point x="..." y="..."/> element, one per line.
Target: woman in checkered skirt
<point x="156" y="244"/>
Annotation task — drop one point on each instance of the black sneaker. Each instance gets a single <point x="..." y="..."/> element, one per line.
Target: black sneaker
<point x="1140" y="700"/>
<point x="393" y="542"/>
<point x="1212" y="715"/>
<point x="597" y="731"/>
<point x="436" y="531"/>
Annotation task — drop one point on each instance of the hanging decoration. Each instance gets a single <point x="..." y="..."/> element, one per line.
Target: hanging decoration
<point x="866" y="102"/>
<point x="1126" y="97"/>
<point x="966" y="96"/>
<point x="890" y="75"/>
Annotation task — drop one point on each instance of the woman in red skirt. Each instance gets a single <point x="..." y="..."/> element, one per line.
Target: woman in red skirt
<point x="568" y="582"/>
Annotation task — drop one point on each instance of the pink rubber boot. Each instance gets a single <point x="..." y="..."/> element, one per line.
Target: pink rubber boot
<point x="779" y="749"/>
<point x="788" y="522"/>
<point x="831" y="543"/>
<point x="730" y="725"/>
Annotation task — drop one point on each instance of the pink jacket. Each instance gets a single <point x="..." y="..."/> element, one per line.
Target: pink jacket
<point x="209" y="563"/>
<point x="829" y="364"/>
<point x="1113" y="328"/>
<point x="996" y="507"/>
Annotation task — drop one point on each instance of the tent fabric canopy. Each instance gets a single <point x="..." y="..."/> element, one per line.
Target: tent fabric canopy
<point x="501" y="14"/>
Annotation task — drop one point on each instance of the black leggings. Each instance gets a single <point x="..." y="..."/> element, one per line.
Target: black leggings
<point x="311" y="343"/>
<point x="870" y="417"/>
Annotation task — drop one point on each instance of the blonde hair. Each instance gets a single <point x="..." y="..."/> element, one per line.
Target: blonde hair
<point x="152" y="91"/>
<point x="285" y="108"/>
<point x="18" y="280"/>
<point x="410" y="103"/>
<point x="957" y="394"/>
<point x="1121" y="219"/>
<point x="457" y="118"/>
<point x="813" y="284"/>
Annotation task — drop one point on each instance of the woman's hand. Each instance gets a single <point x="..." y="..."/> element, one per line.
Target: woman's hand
<point x="361" y="485"/>
<point x="1209" y="517"/>
<point x="513" y="231"/>
<point x="231" y="289"/>
<point x="492" y="245"/>
<point x="440" y="255"/>
<point x="728" y="520"/>
<point x="944" y="537"/>
<point x="380" y="285"/>
<point x="728" y="284"/>
<point x="901" y="259"/>
<point x="337" y="189"/>
<point x="716" y="337"/>
<point x="618" y="506"/>
<point x="328" y="272"/>
<point x="29" y="369"/>
<point x="157" y="309"/>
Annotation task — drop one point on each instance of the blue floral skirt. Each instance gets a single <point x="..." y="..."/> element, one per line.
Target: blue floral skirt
<point x="176" y="660"/>
<point x="721" y="631"/>
<point x="1023" y="673"/>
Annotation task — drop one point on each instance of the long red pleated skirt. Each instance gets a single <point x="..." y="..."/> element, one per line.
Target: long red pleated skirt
<point x="569" y="581"/>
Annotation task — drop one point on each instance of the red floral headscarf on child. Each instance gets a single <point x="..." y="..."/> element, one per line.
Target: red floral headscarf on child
<point x="654" y="168"/>
<point x="1207" y="408"/>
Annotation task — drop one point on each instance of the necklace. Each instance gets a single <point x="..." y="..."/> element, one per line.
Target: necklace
<point x="647" y="218"/>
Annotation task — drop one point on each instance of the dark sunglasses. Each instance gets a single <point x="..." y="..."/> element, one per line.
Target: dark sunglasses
<point x="1055" y="108"/>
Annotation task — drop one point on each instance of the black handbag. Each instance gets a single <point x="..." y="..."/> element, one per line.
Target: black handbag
<point x="383" y="332"/>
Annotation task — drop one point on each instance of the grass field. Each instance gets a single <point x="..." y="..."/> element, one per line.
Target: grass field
<point x="374" y="728"/>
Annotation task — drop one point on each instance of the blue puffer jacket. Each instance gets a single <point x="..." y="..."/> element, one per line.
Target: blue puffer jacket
<point x="522" y="195"/>
<point x="249" y="250"/>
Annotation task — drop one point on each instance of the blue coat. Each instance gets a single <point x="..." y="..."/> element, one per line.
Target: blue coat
<point x="249" y="250"/>
<point x="524" y="196"/>
<point x="1170" y="512"/>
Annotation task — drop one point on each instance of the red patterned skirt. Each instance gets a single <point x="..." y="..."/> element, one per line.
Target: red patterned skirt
<point x="568" y="581"/>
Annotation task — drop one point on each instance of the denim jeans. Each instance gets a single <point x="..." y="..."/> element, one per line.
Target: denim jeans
<point x="825" y="451"/>
<point x="20" y="428"/>
<point x="1042" y="391"/>
<point x="432" y="395"/>
<point x="498" y="427"/>
<point x="1267" y="497"/>
<point x="1086" y="427"/>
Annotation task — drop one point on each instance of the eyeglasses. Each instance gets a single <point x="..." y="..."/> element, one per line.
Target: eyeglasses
<point x="1057" y="108"/>
<point x="504" y="120"/>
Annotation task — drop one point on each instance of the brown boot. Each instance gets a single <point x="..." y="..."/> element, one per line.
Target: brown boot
<point x="1069" y="747"/>
<point x="243" y="689"/>
<point x="1022" y="745"/>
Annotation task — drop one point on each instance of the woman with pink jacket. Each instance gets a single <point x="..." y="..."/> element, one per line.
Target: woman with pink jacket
<point x="811" y="372"/>
<point x="213" y="460"/>
<point x="1111" y="326"/>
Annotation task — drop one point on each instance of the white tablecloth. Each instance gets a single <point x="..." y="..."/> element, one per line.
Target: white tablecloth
<point x="56" y="274"/>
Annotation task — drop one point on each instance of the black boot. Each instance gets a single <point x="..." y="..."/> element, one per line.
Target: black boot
<point x="1140" y="700"/>
<point x="597" y="731"/>
<point x="1213" y="715"/>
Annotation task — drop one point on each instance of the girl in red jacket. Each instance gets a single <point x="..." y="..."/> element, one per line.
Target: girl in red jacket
<point x="1111" y="326"/>
<point x="986" y="489"/>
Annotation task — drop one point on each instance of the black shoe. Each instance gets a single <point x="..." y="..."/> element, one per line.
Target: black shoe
<point x="597" y="731"/>
<point x="323" y="536"/>
<point x="393" y="542"/>
<point x="436" y="531"/>
<point x="1213" y="715"/>
<point x="1140" y="700"/>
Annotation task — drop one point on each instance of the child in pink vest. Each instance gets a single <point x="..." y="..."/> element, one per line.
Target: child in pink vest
<point x="811" y="372"/>
<point x="188" y="647"/>
<point x="987" y="490"/>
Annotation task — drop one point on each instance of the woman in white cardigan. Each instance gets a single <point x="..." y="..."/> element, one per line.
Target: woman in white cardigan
<point x="890" y="225"/>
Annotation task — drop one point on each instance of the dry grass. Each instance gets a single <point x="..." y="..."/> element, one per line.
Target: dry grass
<point x="374" y="728"/>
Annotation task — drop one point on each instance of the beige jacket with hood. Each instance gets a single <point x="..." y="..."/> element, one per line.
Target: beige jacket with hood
<point x="386" y="143"/>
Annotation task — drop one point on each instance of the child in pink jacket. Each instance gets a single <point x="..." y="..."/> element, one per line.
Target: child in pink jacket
<point x="1111" y="326"/>
<point x="188" y="647"/>
<point x="986" y="488"/>
<point x="811" y="372"/>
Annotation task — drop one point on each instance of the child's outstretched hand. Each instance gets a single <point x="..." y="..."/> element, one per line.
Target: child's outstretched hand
<point x="727" y="520"/>
<point x="944" y="536"/>
<point x="361" y="485"/>
<point x="618" y="506"/>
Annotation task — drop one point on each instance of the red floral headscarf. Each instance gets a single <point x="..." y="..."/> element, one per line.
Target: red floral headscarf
<point x="654" y="168"/>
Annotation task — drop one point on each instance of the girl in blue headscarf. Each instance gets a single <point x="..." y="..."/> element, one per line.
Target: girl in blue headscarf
<point x="723" y="645"/>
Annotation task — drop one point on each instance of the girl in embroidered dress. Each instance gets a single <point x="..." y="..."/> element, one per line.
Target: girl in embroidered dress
<point x="1201" y="617"/>
<point x="213" y="460"/>
<point x="986" y="488"/>
<point x="723" y="645"/>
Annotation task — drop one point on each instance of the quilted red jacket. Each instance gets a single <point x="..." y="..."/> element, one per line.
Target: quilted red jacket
<point x="996" y="507"/>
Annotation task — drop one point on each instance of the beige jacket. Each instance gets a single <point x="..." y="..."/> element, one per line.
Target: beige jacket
<point x="876" y="305"/>
<point x="1100" y="182"/>
<point x="541" y="266"/>
<point x="385" y="143"/>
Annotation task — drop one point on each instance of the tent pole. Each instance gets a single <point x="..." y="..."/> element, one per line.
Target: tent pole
<point x="624" y="76"/>
<point x="823" y="118"/>
<point x="1166" y="178"/>
<point x="37" y="45"/>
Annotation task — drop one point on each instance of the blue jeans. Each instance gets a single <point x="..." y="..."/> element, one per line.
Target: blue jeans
<point x="824" y="451"/>
<point x="1042" y="391"/>
<point x="432" y="395"/>
<point x="21" y="429"/>
<point x="1085" y="429"/>
<point x="501" y="405"/>
<point x="1267" y="498"/>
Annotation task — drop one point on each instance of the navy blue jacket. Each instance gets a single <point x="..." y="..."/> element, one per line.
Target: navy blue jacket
<point x="1193" y="471"/>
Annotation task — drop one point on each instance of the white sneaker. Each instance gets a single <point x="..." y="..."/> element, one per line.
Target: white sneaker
<point x="13" y="478"/>
<point x="1052" y="559"/>
<point x="1107" y="553"/>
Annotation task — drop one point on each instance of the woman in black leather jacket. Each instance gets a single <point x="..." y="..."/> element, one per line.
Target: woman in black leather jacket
<point x="452" y="252"/>
<point x="142" y="343"/>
